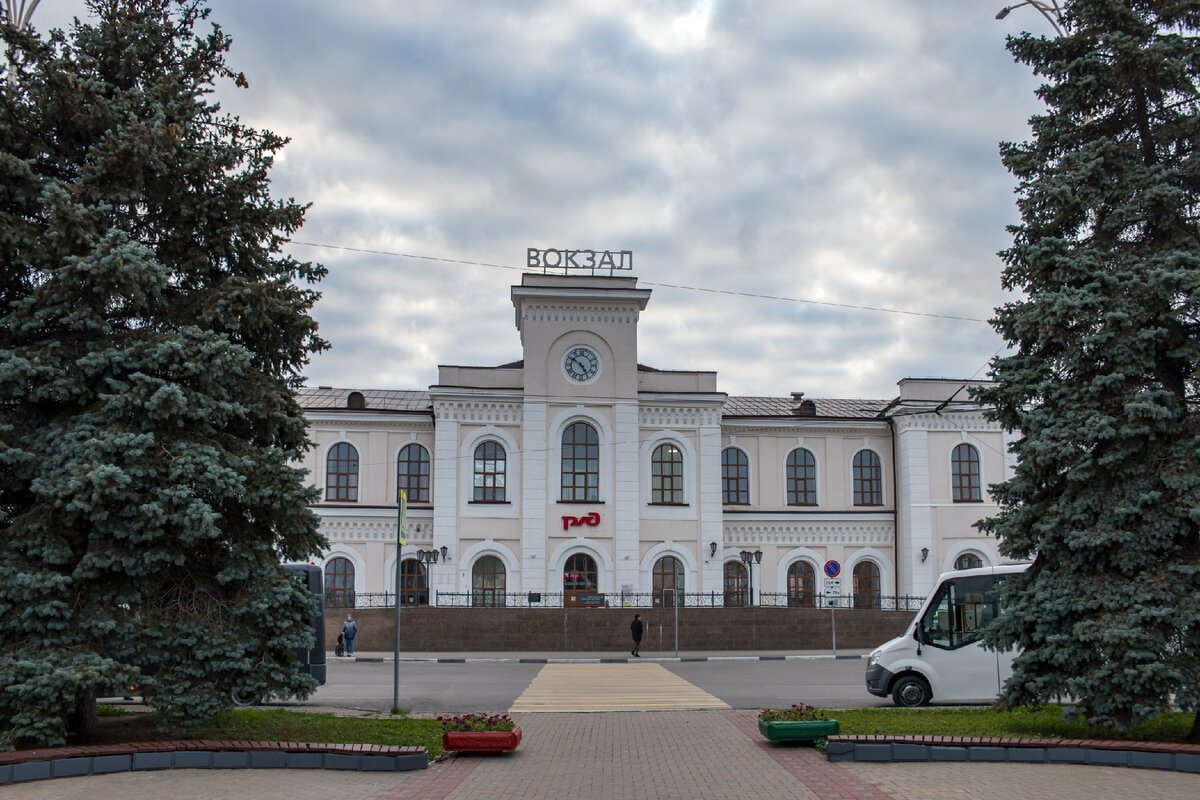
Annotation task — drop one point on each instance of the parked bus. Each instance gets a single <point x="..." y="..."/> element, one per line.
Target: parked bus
<point x="941" y="656"/>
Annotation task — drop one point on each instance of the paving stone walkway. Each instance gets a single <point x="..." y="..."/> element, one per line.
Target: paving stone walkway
<point x="704" y="755"/>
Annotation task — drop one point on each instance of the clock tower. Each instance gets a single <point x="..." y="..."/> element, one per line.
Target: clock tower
<point x="580" y="379"/>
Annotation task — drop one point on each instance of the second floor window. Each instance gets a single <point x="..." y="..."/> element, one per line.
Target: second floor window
<point x="412" y="473"/>
<point x="341" y="473"/>
<point x="964" y="468"/>
<point x="666" y="476"/>
<point x="489" y="473"/>
<point x="580" y="463"/>
<point x="735" y="477"/>
<point x="868" y="479"/>
<point x="801" y="478"/>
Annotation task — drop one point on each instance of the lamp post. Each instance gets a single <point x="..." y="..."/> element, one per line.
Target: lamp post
<point x="429" y="558"/>
<point x="19" y="15"/>
<point x="750" y="559"/>
<point x="1050" y="9"/>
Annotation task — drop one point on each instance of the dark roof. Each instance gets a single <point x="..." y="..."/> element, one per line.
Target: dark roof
<point x="326" y="398"/>
<point x="323" y="398"/>
<point x="785" y="407"/>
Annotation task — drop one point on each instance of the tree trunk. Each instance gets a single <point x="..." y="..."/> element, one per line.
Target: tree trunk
<point x="83" y="722"/>
<point x="1194" y="734"/>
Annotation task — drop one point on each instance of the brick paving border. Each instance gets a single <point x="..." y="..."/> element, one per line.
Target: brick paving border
<point x="822" y="777"/>
<point x="62" y="762"/>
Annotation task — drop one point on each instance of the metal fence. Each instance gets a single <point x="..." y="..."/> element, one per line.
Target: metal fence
<point x="350" y="599"/>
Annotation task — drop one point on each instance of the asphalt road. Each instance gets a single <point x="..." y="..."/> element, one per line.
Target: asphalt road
<point x="494" y="686"/>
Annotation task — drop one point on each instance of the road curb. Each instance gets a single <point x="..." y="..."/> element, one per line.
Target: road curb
<point x="591" y="659"/>
<point x="1139" y="755"/>
<point x="21" y="766"/>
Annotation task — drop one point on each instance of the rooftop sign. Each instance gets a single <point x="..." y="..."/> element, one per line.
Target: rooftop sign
<point x="564" y="259"/>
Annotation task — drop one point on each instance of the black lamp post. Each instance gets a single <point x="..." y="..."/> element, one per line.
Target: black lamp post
<point x="429" y="558"/>
<point x="750" y="559"/>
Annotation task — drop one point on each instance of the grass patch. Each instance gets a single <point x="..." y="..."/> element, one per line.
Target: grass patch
<point x="303" y="726"/>
<point x="260" y="724"/>
<point x="1044" y="723"/>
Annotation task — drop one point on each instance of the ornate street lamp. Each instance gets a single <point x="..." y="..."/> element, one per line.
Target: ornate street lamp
<point x="18" y="14"/>
<point x="1050" y="9"/>
<point x="750" y="559"/>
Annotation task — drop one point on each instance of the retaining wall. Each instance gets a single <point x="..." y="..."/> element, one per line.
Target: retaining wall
<point x="425" y="629"/>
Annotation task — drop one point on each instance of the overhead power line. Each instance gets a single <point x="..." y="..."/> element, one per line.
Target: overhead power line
<point x="730" y="292"/>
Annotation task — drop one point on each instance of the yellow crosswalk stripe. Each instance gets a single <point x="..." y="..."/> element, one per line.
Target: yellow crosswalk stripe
<point x="611" y="687"/>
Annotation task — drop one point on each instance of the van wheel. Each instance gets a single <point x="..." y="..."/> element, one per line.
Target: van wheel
<point x="911" y="690"/>
<point x="243" y="698"/>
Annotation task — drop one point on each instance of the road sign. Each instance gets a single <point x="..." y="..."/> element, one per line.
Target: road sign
<point x="833" y="569"/>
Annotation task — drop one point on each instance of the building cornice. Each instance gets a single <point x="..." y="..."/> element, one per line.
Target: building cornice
<point x="946" y="421"/>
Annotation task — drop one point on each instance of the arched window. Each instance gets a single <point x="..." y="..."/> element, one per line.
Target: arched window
<point x="866" y="585"/>
<point x="801" y="478"/>
<point x="964" y="473"/>
<point x="801" y="585"/>
<point x="735" y="477"/>
<point x="489" y="473"/>
<point x="868" y="479"/>
<point x="968" y="561"/>
<point x="341" y="473"/>
<point x="356" y="400"/>
<point x="412" y="473"/>
<point x="579" y="577"/>
<point x="339" y="583"/>
<point x="737" y="588"/>
<point x="666" y="475"/>
<point x="487" y="582"/>
<point x="668" y="582"/>
<point x="414" y="584"/>
<point x="580" y="463"/>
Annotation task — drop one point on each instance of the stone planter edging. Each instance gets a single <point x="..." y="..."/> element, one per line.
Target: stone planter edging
<point x="62" y="762"/>
<point x="1114" y="753"/>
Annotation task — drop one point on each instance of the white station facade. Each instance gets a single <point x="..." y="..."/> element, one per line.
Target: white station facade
<point x="579" y="473"/>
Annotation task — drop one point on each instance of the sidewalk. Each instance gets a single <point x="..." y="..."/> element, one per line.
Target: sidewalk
<point x="710" y="755"/>
<point x="599" y="656"/>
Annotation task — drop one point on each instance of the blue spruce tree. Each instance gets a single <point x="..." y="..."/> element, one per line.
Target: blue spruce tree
<point x="151" y="336"/>
<point x="1103" y="384"/>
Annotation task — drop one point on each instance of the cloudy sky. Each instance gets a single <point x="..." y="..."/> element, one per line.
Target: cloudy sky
<point x="780" y="170"/>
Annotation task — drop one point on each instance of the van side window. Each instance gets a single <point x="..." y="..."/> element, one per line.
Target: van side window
<point x="960" y="612"/>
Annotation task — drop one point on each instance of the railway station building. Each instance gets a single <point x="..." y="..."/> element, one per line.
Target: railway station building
<point x="580" y="475"/>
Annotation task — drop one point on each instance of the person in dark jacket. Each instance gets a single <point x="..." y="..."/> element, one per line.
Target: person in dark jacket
<point x="350" y="630"/>
<point x="636" y="627"/>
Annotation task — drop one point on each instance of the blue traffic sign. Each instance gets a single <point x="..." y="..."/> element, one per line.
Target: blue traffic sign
<point x="833" y="569"/>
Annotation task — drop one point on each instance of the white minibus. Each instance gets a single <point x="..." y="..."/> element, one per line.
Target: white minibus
<point x="940" y="656"/>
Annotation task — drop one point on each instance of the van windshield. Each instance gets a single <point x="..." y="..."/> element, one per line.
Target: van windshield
<point x="960" y="611"/>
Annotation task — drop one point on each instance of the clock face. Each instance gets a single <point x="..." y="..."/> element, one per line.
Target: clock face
<point x="581" y="364"/>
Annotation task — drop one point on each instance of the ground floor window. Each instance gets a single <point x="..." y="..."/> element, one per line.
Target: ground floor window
<point x="414" y="583"/>
<point x="339" y="583"/>
<point x="968" y="561"/>
<point x="801" y="585"/>
<point x="668" y="582"/>
<point x="737" y="587"/>
<point x="866" y="585"/>
<point x="580" y="577"/>
<point x="487" y="582"/>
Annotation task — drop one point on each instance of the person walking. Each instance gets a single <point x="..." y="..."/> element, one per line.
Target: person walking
<point x="636" y="627"/>
<point x="350" y="630"/>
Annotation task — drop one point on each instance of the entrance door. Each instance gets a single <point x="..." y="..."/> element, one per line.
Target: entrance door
<point x="579" y="578"/>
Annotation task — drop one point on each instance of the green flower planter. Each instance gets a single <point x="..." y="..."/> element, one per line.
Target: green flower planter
<point x="806" y="731"/>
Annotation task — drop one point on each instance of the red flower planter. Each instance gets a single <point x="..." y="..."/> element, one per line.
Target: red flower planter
<point x="481" y="741"/>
